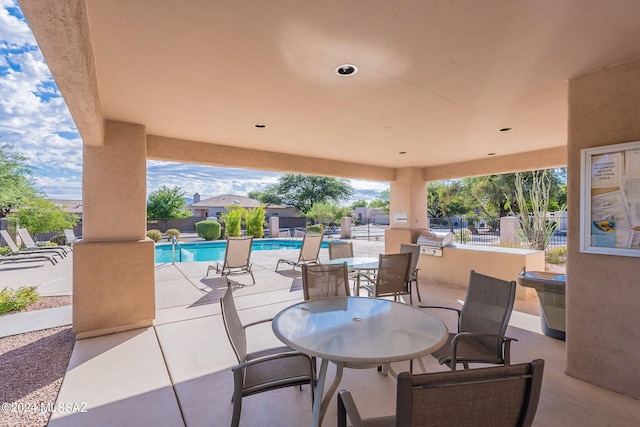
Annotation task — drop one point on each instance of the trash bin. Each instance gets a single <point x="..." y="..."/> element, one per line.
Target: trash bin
<point x="551" y="294"/>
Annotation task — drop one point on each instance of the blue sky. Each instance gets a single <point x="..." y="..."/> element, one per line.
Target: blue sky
<point x="34" y="121"/>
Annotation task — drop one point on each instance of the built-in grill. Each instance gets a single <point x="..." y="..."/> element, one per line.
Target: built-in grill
<point x="431" y="243"/>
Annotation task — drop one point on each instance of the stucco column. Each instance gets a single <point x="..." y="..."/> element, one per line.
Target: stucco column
<point x="407" y="208"/>
<point x="113" y="268"/>
<point x="603" y="338"/>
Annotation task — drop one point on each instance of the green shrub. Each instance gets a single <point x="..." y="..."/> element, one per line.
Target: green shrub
<point x="233" y="220"/>
<point x="16" y="299"/>
<point x="208" y="230"/>
<point x="154" y="235"/>
<point x="556" y="255"/>
<point x="315" y="229"/>
<point x="59" y="240"/>
<point x="172" y="232"/>
<point x="254" y="218"/>
<point x="5" y="250"/>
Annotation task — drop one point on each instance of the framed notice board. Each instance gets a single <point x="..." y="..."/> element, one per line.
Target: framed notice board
<point x="610" y="200"/>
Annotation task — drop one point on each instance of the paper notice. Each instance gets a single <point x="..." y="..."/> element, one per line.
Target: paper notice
<point x="606" y="170"/>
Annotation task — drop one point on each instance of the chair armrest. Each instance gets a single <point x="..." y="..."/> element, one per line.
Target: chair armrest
<point x="271" y="357"/>
<point x="465" y="335"/>
<point x="347" y="408"/>
<point x="257" y="322"/>
<point x="459" y="311"/>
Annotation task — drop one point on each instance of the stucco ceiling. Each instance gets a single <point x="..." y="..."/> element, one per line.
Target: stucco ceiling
<point x="436" y="79"/>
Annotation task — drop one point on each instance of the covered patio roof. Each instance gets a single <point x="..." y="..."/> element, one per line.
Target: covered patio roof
<point x="436" y="82"/>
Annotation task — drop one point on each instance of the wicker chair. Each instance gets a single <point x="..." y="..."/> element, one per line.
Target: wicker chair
<point x="482" y="323"/>
<point x="263" y="370"/>
<point x="391" y="278"/>
<point x="502" y="396"/>
<point x="325" y="281"/>
<point x="414" y="250"/>
<point x="308" y="252"/>
<point x="236" y="258"/>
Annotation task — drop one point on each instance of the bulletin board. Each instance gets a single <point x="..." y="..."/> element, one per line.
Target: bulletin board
<point x="610" y="200"/>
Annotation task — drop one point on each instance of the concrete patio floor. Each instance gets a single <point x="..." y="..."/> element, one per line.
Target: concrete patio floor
<point x="177" y="373"/>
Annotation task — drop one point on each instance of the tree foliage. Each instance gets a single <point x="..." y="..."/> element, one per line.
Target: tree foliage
<point x="16" y="188"/>
<point x="42" y="216"/>
<point x="304" y="191"/>
<point x="166" y="203"/>
<point x="322" y="212"/>
<point x="254" y="220"/>
<point x="382" y="201"/>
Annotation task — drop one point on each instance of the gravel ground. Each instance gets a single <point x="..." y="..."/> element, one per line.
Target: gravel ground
<point x="32" y="367"/>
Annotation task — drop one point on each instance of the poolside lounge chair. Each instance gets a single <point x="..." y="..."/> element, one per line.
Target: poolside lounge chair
<point x="236" y="258"/>
<point x="71" y="237"/>
<point x="26" y="251"/>
<point x="308" y="253"/>
<point x="29" y="243"/>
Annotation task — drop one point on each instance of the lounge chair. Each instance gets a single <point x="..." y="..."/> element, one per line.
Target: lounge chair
<point x="236" y="258"/>
<point x="26" y="251"/>
<point x="29" y="243"/>
<point x="71" y="237"/>
<point x="308" y="252"/>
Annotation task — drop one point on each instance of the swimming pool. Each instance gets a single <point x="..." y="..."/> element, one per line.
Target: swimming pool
<point x="214" y="251"/>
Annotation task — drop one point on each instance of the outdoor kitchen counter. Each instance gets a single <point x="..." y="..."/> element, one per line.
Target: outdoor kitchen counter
<point x="458" y="260"/>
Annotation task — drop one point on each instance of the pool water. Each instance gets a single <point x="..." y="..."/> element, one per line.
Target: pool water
<point x="214" y="251"/>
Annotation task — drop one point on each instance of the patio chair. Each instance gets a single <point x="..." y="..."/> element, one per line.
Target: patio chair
<point x="236" y="258"/>
<point x="497" y="396"/>
<point x="308" y="252"/>
<point x="21" y="252"/>
<point x="29" y="243"/>
<point x="263" y="370"/>
<point x="482" y="323"/>
<point x="340" y="249"/>
<point x="325" y="281"/>
<point x="391" y="278"/>
<point x="71" y="237"/>
<point x="414" y="250"/>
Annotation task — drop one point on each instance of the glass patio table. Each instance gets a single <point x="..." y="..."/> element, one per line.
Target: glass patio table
<point x="360" y="264"/>
<point x="359" y="333"/>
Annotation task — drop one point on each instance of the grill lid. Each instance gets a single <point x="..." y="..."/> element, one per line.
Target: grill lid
<point x="431" y="238"/>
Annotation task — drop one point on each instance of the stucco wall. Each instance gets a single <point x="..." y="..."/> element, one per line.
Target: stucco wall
<point x="603" y="291"/>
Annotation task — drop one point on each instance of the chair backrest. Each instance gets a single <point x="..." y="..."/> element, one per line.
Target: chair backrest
<point x="310" y="247"/>
<point x="325" y="280"/>
<point x="7" y="238"/>
<point x="238" y="252"/>
<point x="340" y="250"/>
<point x="414" y="250"/>
<point x="497" y="396"/>
<point x="393" y="274"/>
<point x="233" y="325"/>
<point x="69" y="235"/>
<point x="487" y="307"/>
<point x="26" y="238"/>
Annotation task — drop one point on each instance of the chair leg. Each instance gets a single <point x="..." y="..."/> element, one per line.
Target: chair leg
<point x="237" y="396"/>
<point x="418" y="288"/>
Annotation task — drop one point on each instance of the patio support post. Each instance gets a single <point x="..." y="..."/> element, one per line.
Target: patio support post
<point x="407" y="208"/>
<point x="113" y="269"/>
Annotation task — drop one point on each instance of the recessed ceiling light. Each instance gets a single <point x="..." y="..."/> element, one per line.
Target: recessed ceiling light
<point x="260" y="125"/>
<point x="346" y="70"/>
<point x="491" y="154"/>
<point x="505" y="129"/>
<point x="402" y="152"/>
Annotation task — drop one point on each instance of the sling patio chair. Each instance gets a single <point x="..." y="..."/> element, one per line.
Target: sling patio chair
<point x="308" y="252"/>
<point x="342" y="249"/>
<point x="236" y="258"/>
<point x="71" y="237"/>
<point x="263" y="370"/>
<point x="505" y="396"/>
<point x="414" y="250"/>
<point x="325" y="281"/>
<point x="19" y="253"/>
<point x="29" y="243"/>
<point x="391" y="278"/>
<point x="482" y="323"/>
